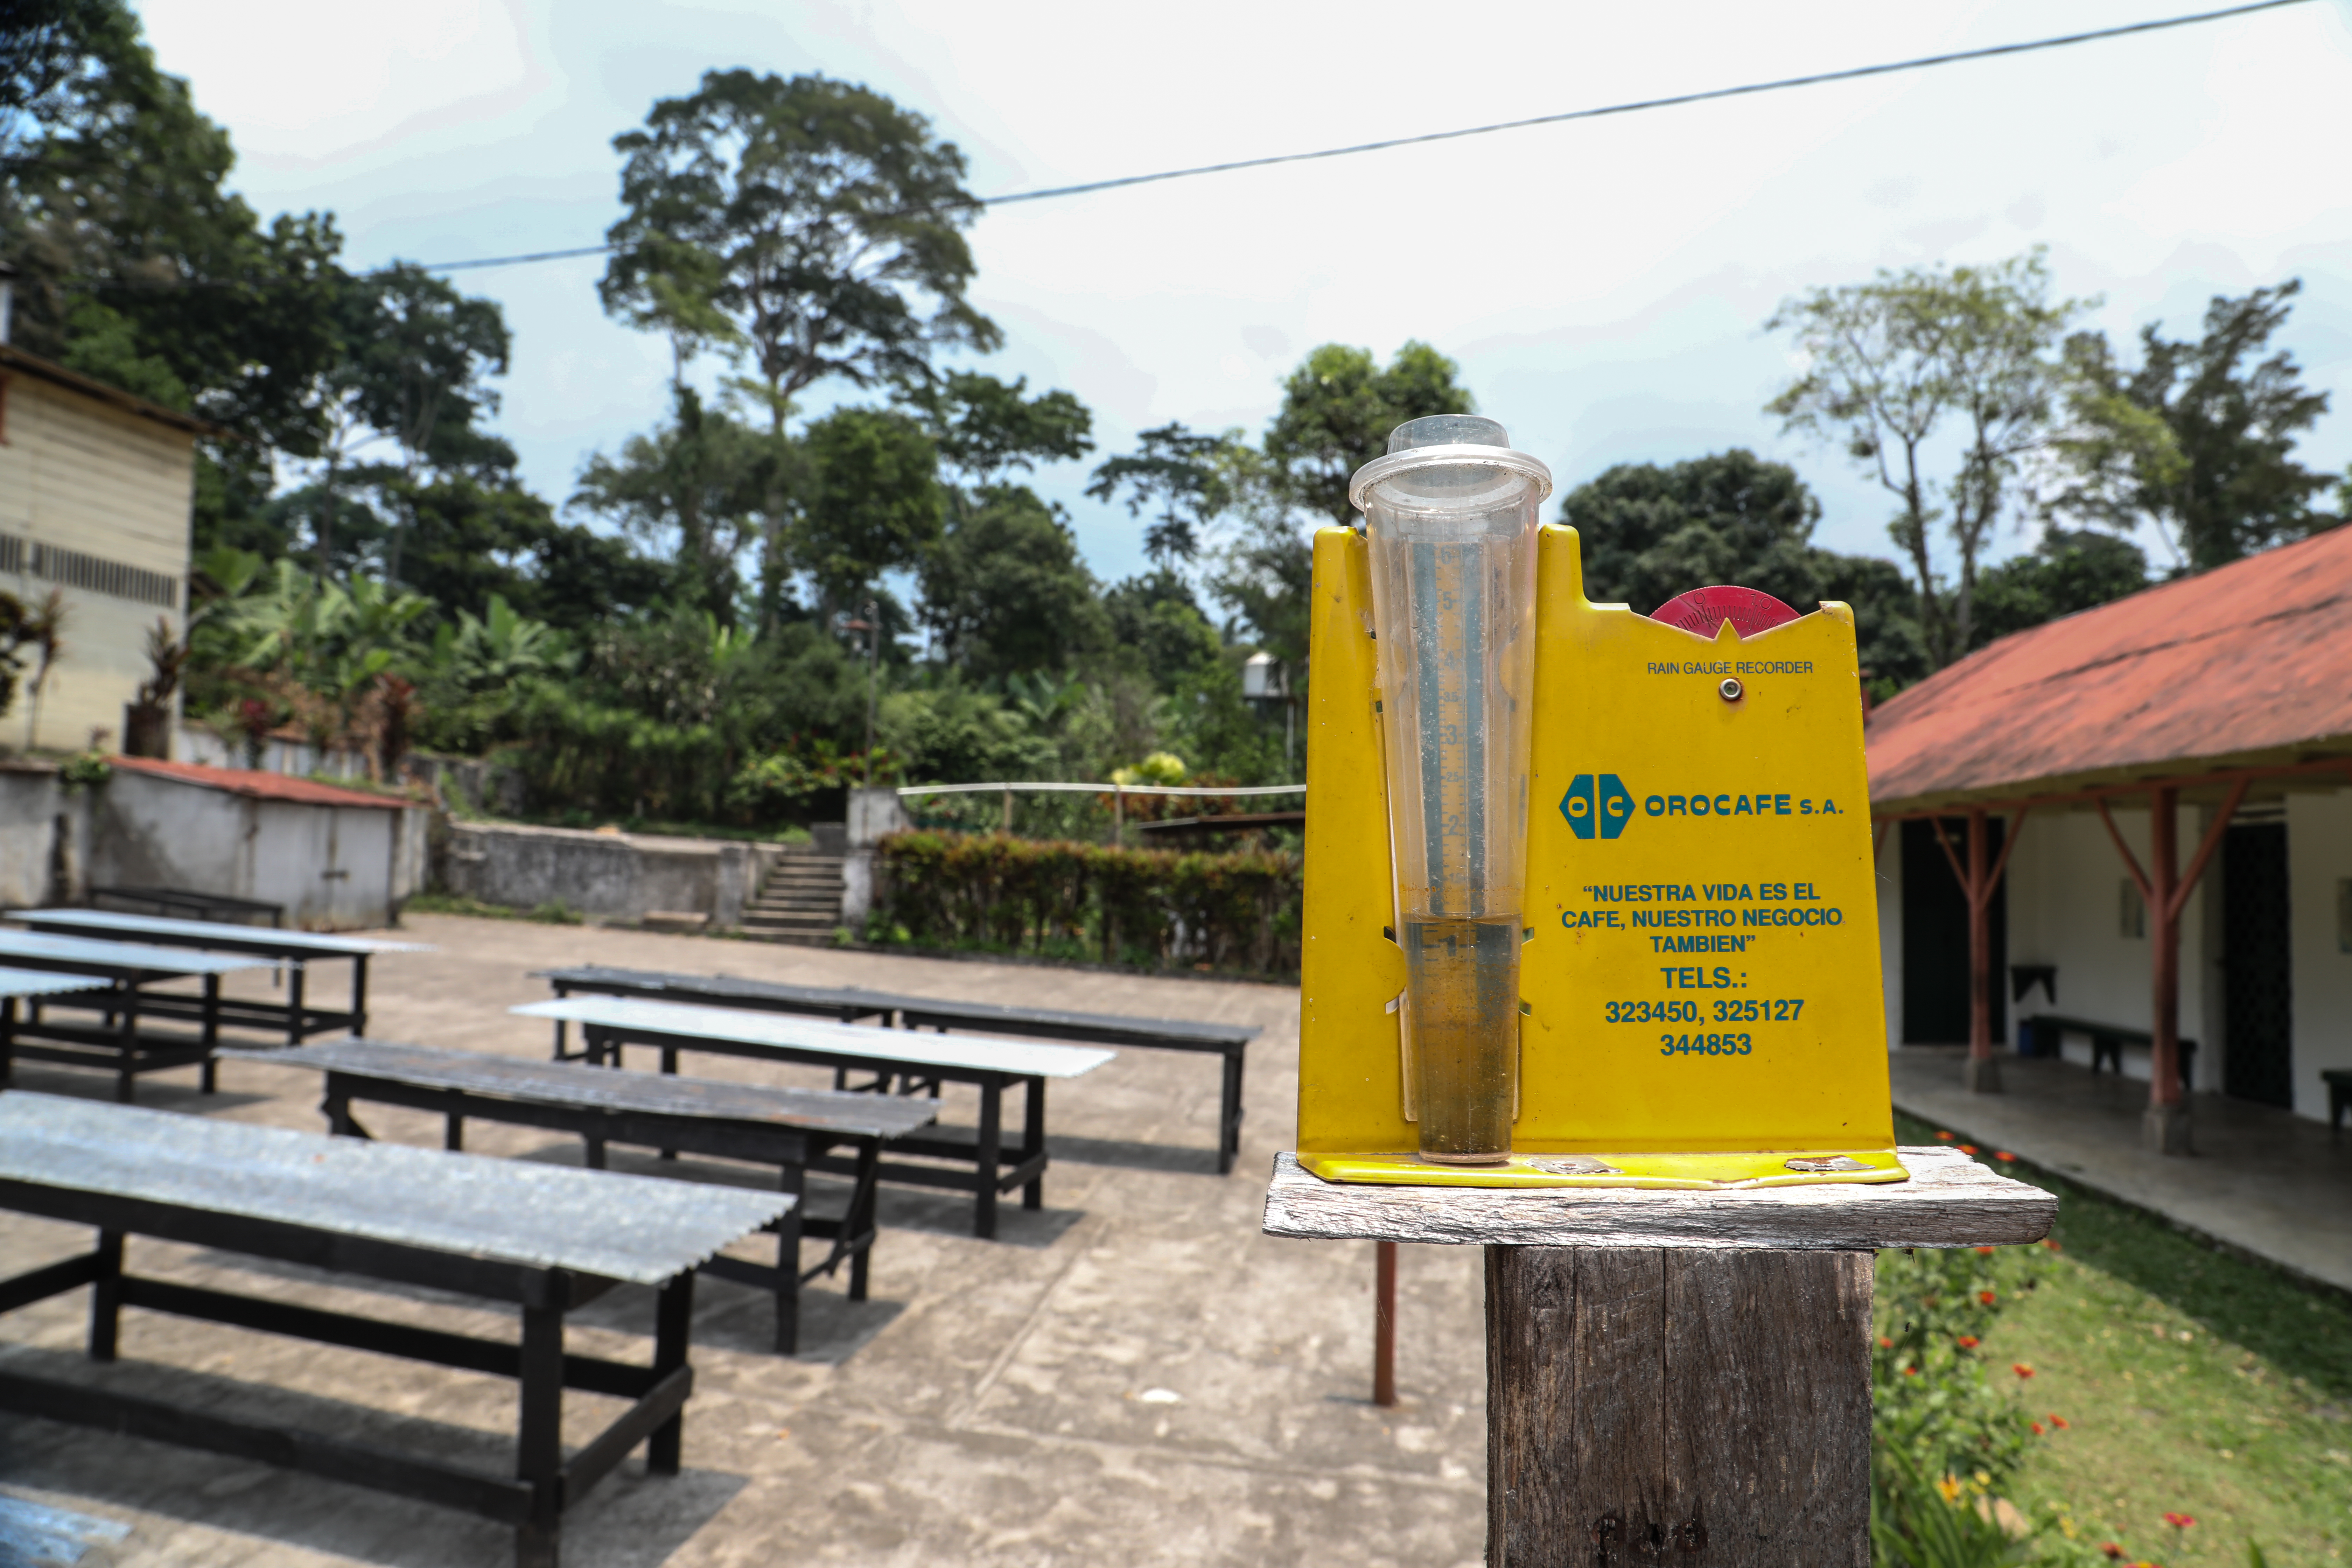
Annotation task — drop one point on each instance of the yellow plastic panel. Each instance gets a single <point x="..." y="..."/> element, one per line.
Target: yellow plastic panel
<point x="1350" y="1087"/>
<point x="1699" y="980"/>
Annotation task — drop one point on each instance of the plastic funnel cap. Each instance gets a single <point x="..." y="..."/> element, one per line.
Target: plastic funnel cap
<point x="1448" y="430"/>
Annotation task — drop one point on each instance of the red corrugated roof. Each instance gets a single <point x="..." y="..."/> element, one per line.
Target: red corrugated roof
<point x="257" y="784"/>
<point x="2247" y="665"/>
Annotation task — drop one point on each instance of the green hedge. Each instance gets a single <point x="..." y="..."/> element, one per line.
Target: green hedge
<point x="1163" y="908"/>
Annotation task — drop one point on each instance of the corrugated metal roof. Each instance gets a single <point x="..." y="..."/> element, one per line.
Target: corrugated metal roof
<point x="2247" y="665"/>
<point x="256" y="784"/>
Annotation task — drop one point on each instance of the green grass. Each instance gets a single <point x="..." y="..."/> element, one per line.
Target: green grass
<point x="2192" y="1382"/>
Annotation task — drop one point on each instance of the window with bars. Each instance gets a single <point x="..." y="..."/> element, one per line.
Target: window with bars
<point x="93" y="574"/>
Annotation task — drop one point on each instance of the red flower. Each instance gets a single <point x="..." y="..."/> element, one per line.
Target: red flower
<point x="2181" y="1520"/>
<point x="2112" y="1550"/>
<point x="2052" y="1246"/>
<point x="1987" y="1296"/>
<point x="1986" y="1251"/>
<point x="1967" y="1148"/>
<point x="2058" y="1421"/>
<point x="2004" y="1154"/>
<point x="2020" y="1368"/>
<point x="2037" y="1429"/>
<point x="1885" y="1343"/>
<point x="1967" y="1342"/>
<point x="1943" y="1137"/>
<point x="1910" y="1372"/>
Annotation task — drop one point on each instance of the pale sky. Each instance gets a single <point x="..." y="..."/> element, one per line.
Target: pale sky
<point x="1603" y="284"/>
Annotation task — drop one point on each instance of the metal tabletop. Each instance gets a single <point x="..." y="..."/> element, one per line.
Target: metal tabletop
<point x="641" y="1229"/>
<point x="91" y="956"/>
<point x="1094" y="1028"/>
<point x="569" y="1083"/>
<point x="14" y="983"/>
<point x="980" y="1053"/>
<point x="170" y="932"/>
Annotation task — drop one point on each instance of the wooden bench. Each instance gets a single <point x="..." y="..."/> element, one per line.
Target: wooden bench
<point x="115" y="977"/>
<point x="543" y="1238"/>
<point x="608" y="1023"/>
<point x="2339" y="1095"/>
<point x="786" y="1128"/>
<point x="2043" y="1030"/>
<point x="293" y="951"/>
<point x="849" y="1004"/>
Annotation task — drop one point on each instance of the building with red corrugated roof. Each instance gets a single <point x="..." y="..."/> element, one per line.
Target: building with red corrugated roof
<point x="2133" y="828"/>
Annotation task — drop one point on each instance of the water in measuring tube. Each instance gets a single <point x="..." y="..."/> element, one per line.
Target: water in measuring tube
<point x="1462" y="1010"/>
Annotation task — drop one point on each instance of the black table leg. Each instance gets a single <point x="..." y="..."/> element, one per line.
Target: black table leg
<point x="1033" y="1143"/>
<point x="7" y="1041"/>
<point x="673" y="1321"/>
<point x="858" y="1226"/>
<point x="669" y="1065"/>
<point x="295" y="972"/>
<point x="1229" y="1129"/>
<point x="788" y="1260"/>
<point x="212" y="1033"/>
<point x="453" y="1135"/>
<point x="539" y="1458"/>
<point x="105" y="1295"/>
<point x="359" y="994"/>
<point x="126" y="1037"/>
<point x="992" y="1134"/>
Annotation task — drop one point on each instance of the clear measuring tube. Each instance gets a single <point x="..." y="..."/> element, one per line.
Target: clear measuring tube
<point x="1450" y="513"/>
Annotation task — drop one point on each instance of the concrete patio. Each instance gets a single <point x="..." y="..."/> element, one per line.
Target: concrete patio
<point x="1134" y="1375"/>
<point x="2262" y="1181"/>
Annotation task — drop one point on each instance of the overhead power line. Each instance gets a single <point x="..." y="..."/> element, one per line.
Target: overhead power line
<point x="1817" y="78"/>
<point x="1634" y="107"/>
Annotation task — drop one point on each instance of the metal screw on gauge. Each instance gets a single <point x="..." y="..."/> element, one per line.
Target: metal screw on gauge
<point x="1731" y="690"/>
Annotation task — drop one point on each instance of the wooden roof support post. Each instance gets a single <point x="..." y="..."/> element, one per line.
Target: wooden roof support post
<point x="1678" y="1377"/>
<point x="1978" y="882"/>
<point x="2166" y="889"/>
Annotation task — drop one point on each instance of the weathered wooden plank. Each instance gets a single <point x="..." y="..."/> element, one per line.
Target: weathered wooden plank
<point x="1949" y="1201"/>
<point x="1707" y="1408"/>
<point x="1768" y="1407"/>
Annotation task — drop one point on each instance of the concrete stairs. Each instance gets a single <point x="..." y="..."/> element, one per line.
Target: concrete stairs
<point x="800" y="902"/>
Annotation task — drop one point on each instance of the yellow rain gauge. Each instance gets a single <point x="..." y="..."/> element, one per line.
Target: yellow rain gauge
<point x="1589" y="893"/>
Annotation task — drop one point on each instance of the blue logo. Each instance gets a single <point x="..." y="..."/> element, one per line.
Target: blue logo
<point x="1606" y="803"/>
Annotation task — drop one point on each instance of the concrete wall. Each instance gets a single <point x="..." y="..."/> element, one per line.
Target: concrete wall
<point x="335" y="867"/>
<point x="874" y="814"/>
<point x="618" y="875"/>
<point x="44" y="837"/>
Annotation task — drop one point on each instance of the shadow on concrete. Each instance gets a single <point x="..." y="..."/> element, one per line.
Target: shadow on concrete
<point x="1170" y="1158"/>
<point x="939" y="1212"/>
<point x="173" y="1091"/>
<point x="630" y="1520"/>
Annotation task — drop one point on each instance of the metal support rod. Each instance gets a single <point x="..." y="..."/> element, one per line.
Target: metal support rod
<point x="1384" y="1264"/>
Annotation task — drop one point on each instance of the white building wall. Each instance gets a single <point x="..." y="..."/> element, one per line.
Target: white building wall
<point x="2319" y="859"/>
<point x="2066" y="908"/>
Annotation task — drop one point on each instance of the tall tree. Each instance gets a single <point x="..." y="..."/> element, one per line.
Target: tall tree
<point x="1004" y="590"/>
<point x="1182" y="476"/>
<point x="812" y="228"/>
<point x="872" y="502"/>
<point x="2067" y="572"/>
<point x="1933" y="368"/>
<point x="2199" y="440"/>
<point x="693" y="489"/>
<point x="985" y="428"/>
<point x="1337" y="409"/>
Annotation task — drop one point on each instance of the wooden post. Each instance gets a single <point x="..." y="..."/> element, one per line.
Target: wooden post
<point x="1978" y="882"/>
<point x="1677" y="1377"/>
<point x="1008" y="814"/>
<point x="2165" y="1127"/>
<point x="1384" y="1262"/>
